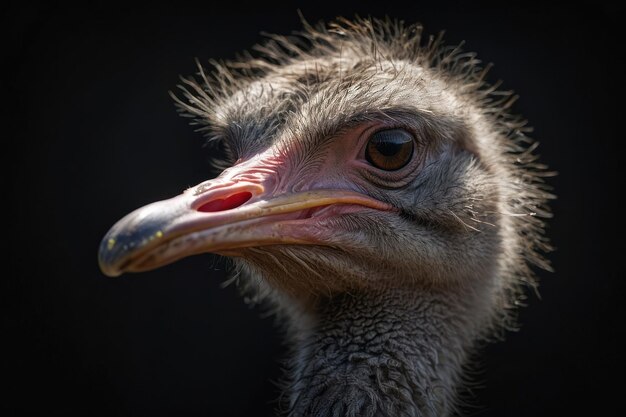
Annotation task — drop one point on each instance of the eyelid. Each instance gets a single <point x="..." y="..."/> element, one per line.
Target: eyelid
<point x="370" y="131"/>
<point x="393" y="129"/>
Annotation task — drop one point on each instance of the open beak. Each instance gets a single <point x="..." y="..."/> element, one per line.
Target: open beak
<point x="226" y="218"/>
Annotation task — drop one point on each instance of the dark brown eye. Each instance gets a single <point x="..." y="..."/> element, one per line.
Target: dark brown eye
<point x="390" y="149"/>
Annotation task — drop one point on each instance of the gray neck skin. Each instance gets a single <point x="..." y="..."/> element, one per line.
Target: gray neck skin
<point x="381" y="355"/>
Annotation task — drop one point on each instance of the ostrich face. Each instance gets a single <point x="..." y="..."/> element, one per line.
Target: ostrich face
<point x="349" y="168"/>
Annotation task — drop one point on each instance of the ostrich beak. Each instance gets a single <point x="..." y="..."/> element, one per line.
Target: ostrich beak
<point x="219" y="217"/>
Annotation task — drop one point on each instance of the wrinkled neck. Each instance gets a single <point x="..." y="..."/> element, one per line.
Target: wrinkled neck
<point x="386" y="354"/>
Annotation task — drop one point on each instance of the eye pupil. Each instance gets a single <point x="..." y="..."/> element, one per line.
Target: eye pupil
<point x="390" y="150"/>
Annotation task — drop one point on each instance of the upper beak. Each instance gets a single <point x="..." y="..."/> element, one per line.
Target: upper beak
<point x="221" y="220"/>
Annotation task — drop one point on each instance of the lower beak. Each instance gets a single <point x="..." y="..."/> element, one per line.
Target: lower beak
<point x="237" y="217"/>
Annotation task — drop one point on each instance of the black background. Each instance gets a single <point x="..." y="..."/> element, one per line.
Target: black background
<point x="91" y="134"/>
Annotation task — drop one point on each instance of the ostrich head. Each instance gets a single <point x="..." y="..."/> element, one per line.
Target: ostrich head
<point x="377" y="191"/>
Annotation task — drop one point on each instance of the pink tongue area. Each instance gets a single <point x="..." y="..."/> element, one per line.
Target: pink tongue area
<point x="222" y="204"/>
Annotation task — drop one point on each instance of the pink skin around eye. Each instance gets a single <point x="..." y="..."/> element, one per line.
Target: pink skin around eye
<point x="337" y="163"/>
<point x="272" y="173"/>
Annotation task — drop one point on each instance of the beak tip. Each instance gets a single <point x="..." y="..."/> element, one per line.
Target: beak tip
<point x="109" y="257"/>
<point x="111" y="274"/>
<point x="108" y="268"/>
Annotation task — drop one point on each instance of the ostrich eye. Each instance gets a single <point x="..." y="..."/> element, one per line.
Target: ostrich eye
<point x="390" y="150"/>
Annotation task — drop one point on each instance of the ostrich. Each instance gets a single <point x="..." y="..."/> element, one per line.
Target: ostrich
<point x="377" y="192"/>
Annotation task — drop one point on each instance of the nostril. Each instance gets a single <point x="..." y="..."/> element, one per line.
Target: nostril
<point x="228" y="203"/>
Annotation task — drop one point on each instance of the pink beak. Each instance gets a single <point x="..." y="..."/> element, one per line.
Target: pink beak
<point x="225" y="215"/>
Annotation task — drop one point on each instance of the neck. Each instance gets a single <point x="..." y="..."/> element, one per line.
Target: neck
<point x="387" y="354"/>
